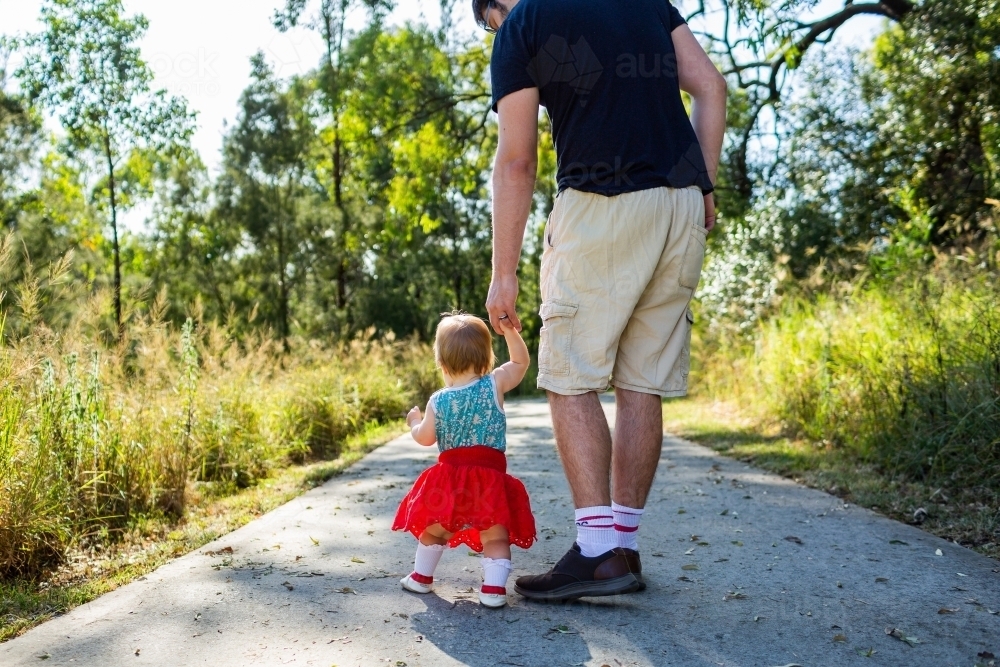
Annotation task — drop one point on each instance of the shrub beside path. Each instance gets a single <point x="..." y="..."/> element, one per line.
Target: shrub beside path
<point x="744" y="568"/>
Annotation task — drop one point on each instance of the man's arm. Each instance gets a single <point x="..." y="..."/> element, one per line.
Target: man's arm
<point x="700" y="79"/>
<point x="513" y="188"/>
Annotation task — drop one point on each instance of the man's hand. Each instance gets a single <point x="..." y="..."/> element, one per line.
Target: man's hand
<point x="500" y="303"/>
<point x="413" y="417"/>
<point x="710" y="215"/>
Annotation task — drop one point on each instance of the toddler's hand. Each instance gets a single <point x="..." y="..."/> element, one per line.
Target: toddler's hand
<point x="413" y="416"/>
<point x="505" y="326"/>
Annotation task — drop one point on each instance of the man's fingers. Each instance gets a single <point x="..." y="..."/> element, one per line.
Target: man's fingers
<point x="495" y="322"/>
<point x="514" y="322"/>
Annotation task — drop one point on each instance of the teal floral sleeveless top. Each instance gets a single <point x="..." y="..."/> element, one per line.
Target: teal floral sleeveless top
<point x="470" y="415"/>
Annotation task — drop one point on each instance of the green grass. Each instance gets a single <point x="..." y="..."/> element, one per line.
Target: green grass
<point x="969" y="516"/>
<point x="155" y="541"/>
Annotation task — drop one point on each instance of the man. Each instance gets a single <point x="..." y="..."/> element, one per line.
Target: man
<point x="623" y="247"/>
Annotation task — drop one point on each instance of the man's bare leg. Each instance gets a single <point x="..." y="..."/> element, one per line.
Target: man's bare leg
<point x="595" y="567"/>
<point x="584" y="443"/>
<point x="638" y="442"/>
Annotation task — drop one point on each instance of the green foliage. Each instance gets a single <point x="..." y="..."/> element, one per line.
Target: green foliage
<point x="86" y="68"/>
<point x="904" y="374"/>
<point x="94" y="438"/>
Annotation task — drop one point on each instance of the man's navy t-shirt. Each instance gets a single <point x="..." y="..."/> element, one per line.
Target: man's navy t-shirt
<point x="606" y="72"/>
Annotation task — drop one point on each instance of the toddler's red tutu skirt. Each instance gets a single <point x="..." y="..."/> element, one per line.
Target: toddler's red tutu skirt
<point x="467" y="491"/>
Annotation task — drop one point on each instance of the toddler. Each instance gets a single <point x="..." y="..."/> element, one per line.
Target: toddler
<point x="468" y="497"/>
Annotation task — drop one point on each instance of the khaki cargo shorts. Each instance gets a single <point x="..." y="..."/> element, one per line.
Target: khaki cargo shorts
<point x="618" y="274"/>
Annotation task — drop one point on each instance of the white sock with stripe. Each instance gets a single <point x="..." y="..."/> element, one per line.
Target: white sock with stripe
<point x="495" y="574"/>
<point x="595" y="530"/>
<point x="427" y="560"/>
<point x="627" y="525"/>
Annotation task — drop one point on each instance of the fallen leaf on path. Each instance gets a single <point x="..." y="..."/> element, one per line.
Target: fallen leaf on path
<point x="905" y="544"/>
<point x="657" y="554"/>
<point x="881" y="580"/>
<point x="724" y="512"/>
<point x="682" y="511"/>
<point x="792" y="538"/>
<point x="946" y="610"/>
<point x="735" y="596"/>
<point x="355" y="559"/>
<point x="346" y="590"/>
<point x="985" y="655"/>
<point x="722" y="560"/>
<point x="683" y="578"/>
<point x="696" y="538"/>
<point x="689" y="567"/>
<point x="563" y="630"/>
<point x="961" y="575"/>
<point x="689" y="552"/>
<point x="288" y="585"/>
<point x="938" y="552"/>
<point x="791" y="664"/>
<point x="225" y="551"/>
<point x="704" y="544"/>
<point x="737" y="543"/>
<point x="840" y="638"/>
<point x="137" y="651"/>
<point x="865" y="652"/>
<point x="898" y="634"/>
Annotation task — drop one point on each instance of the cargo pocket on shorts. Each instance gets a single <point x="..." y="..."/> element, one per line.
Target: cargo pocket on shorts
<point x="694" y="256"/>
<point x="557" y="337"/>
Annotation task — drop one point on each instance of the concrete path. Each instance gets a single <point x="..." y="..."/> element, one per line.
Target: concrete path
<point x="744" y="568"/>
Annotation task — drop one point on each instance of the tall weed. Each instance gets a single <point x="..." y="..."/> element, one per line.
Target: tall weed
<point x="97" y="436"/>
<point x="905" y="374"/>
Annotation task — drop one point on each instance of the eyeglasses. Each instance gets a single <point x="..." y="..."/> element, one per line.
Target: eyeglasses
<point x="491" y="5"/>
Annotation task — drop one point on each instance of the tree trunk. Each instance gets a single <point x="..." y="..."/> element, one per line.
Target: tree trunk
<point x="114" y="236"/>
<point x="282" y="281"/>
<point x="333" y="34"/>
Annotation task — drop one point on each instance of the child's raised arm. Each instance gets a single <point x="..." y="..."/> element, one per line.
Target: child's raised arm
<point x="422" y="428"/>
<point x="511" y="373"/>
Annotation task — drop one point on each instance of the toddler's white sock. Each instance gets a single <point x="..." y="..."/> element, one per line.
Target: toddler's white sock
<point x="627" y="525"/>
<point x="495" y="573"/>
<point x="595" y="530"/>
<point x="427" y="560"/>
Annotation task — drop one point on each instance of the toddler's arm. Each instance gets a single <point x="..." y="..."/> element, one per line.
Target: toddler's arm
<point x="422" y="428"/>
<point x="511" y="373"/>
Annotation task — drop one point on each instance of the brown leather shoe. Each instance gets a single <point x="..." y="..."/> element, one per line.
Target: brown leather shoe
<point x="635" y="567"/>
<point x="576" y="576"/>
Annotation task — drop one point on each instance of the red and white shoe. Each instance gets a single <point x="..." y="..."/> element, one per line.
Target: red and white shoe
<point x="417" y="583"/>
<point x="493" y="596"/>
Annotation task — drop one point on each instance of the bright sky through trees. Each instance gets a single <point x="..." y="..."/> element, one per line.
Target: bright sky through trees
<point x="201" y="50"/>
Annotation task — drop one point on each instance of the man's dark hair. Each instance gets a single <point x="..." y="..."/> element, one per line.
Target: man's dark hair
<point x="481" y="10"/>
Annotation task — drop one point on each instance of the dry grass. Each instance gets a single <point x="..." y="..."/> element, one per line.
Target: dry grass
<point x="89" y="573"/>
<point x="118" y="452"/>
